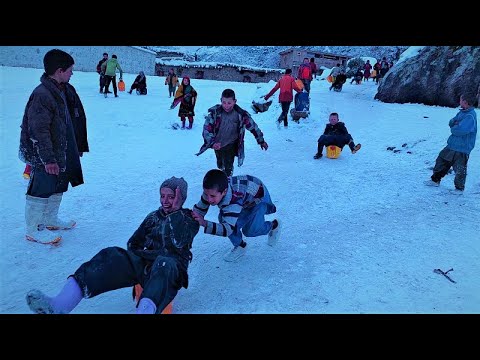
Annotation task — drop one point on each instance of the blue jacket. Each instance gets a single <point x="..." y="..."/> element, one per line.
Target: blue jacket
<point x="464" y="131"/>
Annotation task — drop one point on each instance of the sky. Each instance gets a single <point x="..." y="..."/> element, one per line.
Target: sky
<point x="361" y="234"/>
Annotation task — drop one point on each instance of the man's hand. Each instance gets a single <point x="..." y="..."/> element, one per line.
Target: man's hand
<point x="264" y="145"/>
<point x="52" y="169"/>
<point x="217" y="146"/>
<point x="199" y="218"/>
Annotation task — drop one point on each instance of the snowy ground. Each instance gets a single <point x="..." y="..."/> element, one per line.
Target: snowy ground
<point x="361" y="234"/>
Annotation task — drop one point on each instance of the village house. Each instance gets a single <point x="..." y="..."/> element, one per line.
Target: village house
<point x="292" y="58"/>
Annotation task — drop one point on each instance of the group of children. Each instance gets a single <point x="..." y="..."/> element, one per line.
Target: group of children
<point x="158" y="253"/>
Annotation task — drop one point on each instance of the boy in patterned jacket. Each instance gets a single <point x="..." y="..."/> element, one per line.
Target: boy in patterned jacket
<point x="224" y="132"/>
<point x="243" y="203"/>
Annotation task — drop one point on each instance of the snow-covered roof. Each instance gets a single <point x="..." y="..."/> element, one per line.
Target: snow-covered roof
<point x="313" y="52"/>
<point x="143" y="49"/>
<point x="210" y="64"/>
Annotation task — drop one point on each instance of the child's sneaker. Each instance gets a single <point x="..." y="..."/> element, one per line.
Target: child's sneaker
<point x="39" y="303"/>
<point x="356" y="148"/>
<point x="274" y="234"/>
<point x="431" y="183"/>
<point x="317" y="155"/>
<point x="234" y="254"/>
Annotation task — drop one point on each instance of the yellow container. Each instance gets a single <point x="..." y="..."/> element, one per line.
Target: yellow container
<point x="333" y="152"/>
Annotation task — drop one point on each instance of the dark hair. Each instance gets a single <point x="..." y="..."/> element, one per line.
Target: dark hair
<point x="57" y="59"/>
<point x="215" y="179"/>
<point x="312" y="59"/>
<point x="114" y="56"/>
<point x="288" y="71"/>
<point x="228" y="93"/>
<point x="333" y="114"/>
<point x="105" y="54"/>
<point x="469" y="97"/>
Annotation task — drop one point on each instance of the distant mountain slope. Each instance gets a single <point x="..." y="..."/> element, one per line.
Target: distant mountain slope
<point x="268" y="56"/>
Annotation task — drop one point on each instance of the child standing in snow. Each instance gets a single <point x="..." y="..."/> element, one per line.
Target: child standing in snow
<point x="186" y="96"/>
<point x="224" y="131"/>
<point x="459" y="145"/>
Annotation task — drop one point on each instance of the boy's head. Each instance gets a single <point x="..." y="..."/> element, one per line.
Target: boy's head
<point x="333" y="118"/>
<point x="167" y="192"/>
<point x="288" y="71"/>
<point x="228" y="100"/>
<point x="312" y="59"/>
<point x="105" y="55"/>
<point x="215" y="185"/>
<point x="305" y="60"/>
<point x="57" y="59"/>
<point x="114" y="56"/>
<point x="467" y="100"/>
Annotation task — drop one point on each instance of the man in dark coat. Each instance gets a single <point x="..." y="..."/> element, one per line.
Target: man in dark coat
<point x="157" y="258"/>
<point x="52" y="140"/>
<point x="101" y="73"/>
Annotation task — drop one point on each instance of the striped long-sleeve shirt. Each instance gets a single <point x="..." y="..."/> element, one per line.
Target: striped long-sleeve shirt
<point x="244" y="191"/>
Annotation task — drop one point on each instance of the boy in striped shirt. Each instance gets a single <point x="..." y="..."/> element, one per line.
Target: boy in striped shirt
<point x="243" y="203"/>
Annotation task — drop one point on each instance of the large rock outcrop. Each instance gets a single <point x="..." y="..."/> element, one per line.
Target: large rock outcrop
<point x="438" y="75"/>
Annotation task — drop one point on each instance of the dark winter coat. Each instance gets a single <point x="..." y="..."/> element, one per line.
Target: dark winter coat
<point x="212" y="125"/>
<point x="140" y="82"/>
<point x="43" y="138"/>
<point x="99" y="66"/>
<point x="166" y="235"/>
<point x="338" y="129"/>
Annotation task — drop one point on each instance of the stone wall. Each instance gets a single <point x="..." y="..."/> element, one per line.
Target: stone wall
<point x="132" y="59"/>
<point x="222" y="73"/>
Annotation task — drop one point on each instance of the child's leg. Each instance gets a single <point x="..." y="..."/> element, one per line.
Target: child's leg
<point x="162" y="285"/>
<point x="182" y="119"/>
<point x="114" y="84"/>
<point x="228" y="157"/>
<point x="443" y="163"/>
<point x="460" y="167"/>
<point x="190" y="122"/>
<point x="219" y="156"/>
<point x="255" y="224"/>
<point x="285" y="108"/>
<point x="65" y="301"/>
<point x="319" y="148"/>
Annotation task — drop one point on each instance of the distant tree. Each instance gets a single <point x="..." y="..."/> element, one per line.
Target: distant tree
<point x="353" y="65"/>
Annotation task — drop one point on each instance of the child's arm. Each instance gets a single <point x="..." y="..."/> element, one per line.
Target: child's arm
<point x="202" y="206"/>
<point x="137" y="240"/>
<point x="464" y="126"/>
<point x="275" y="88"/>
<point x="228" y="219"/>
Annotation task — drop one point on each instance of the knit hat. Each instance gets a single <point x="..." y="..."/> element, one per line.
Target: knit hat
<point x="57" y="59"/>
<point x="173" y="183"/>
